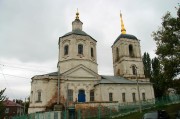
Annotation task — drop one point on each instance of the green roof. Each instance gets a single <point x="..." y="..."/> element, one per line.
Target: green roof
<point x="128" y="36"/>
<point x="77" y="32"/>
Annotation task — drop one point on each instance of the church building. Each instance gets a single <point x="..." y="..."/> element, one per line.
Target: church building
<point x="77" y="81"/>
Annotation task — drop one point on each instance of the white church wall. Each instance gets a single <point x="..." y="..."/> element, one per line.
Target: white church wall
<point x="103" y="91"/>
<point x="67" y="65"/>
<point x="47" y="89"/>
<point x="76" y="86"/>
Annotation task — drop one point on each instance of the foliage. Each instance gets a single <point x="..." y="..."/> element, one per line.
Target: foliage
<point x="157" y="79"/>
<point x="23" y="103"/>
<point x="147" y="65"/>
<point x="26" y="103"/>
<point x="153" y="70"/>
<point x="167" y="38"/>
<point x="176" y="85"/>
<point x="2" y="98"/>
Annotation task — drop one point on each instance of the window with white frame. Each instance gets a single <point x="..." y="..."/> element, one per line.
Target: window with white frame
<point x="39" y="94"/>
<point x="70" y="95"/>
<point x="92" y="95"/>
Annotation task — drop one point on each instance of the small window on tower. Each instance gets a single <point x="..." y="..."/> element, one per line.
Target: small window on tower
<point x="80" y="49"/>
<point x="92" y="52"/>
<point x="134" y="70"/>
<point x="66" y="49"/>
<point x="131" y="54"/>
<point x="117" y="54"/>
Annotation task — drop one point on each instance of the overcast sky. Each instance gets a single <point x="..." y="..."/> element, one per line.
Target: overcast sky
<point x="29" y="32"/>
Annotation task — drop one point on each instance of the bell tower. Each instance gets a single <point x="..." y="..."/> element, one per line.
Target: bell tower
<point x="77" y="48"/>
<point x="127" y="61"/>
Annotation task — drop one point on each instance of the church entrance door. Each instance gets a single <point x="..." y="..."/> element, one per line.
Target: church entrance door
<point x="81" y="96"/>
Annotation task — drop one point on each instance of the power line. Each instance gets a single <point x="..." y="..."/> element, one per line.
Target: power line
<point x="15" y="76"/>
<point x="31" y="66"/>
<point x="6" y="82"/>
<point x="23" y="68"/>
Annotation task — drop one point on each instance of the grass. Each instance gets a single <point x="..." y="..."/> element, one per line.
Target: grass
<point x="171" y="109"/>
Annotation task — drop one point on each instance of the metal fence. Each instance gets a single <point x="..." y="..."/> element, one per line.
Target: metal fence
<point x="41" y="115"/>
<point x="104" y="112"/>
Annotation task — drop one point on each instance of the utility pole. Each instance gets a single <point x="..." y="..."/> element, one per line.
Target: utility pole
<point x="25" y="106"/>
<point x="58" y="106"/>
<point x="58" y="98"/>
<point x="137" y="83"/>
<point x="140" y="109"/>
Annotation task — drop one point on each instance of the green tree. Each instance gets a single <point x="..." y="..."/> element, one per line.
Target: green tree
<point x="2" y="98"/>
<point x="167" y="38"/>
<point x="147" y="65"/>
<point x="176" y="85"/>
<point x="157" y="79"/>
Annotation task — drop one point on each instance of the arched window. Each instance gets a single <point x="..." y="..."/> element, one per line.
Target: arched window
<point x="131" y="53"/>
<point x="70" y="95"/>
<point x="92" y="95"/>
<point x="134" y="70"/>
<point x="66" y="49"/>
<point x="80" y="49"/>
<point x="117" y="54"/>
<point x="92" y="52"/>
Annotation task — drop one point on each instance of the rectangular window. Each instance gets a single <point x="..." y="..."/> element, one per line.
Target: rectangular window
<point x="70" y="95"/>
<point x="134" y="97"/>
<point x="66" y="49"/>
<point x="92" y="52"/>
<point x="110" y="96"/>
<point x="123" y="97"/>
<point x="39" y="96"/>
<point x="31" y="96"/>
<point x="143" y="96"/>
<point x="80" y="49"/>
<point x="92" y="95"/>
